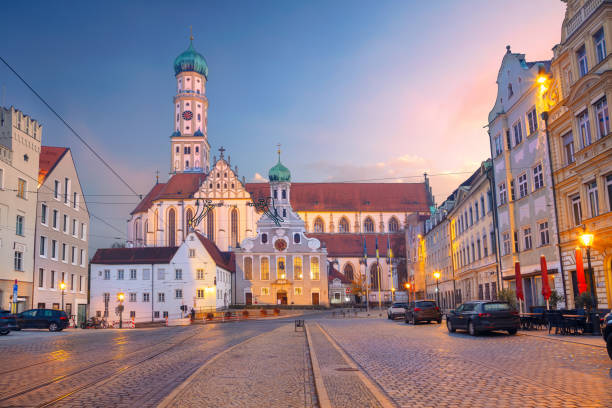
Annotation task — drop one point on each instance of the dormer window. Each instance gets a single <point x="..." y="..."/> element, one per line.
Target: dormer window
<point x="510" y="91"/>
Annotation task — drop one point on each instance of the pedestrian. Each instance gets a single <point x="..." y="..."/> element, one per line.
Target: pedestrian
<point x="192" y="313"/>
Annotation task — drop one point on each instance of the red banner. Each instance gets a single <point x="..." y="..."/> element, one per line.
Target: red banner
<point x="519" y="281"/>
<point x="545" y="284"/>
<point x="582" y="286"/>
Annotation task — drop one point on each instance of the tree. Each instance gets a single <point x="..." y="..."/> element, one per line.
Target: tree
<point x="508" y="295"/>
<point x="358" y="285"/>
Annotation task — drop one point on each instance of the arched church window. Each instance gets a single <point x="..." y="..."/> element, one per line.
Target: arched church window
<point x="234" y="228"/>
<point x="188" y="217"/>
<point x="171" y="227"/>
<point x="348" y="272"/>
<point x="393" y="225"/>
<point x="210" y="225"/>
<point x="374" y="272"/>
<point x="368" y="225"/>
<point x="343" y="225"/>
<point x="137" y="230"/>
<point x="146" y="230"/>
<point x="318" y="225"/>
<point x="315" y="271"/>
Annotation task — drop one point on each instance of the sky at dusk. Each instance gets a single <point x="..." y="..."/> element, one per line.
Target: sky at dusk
<point x="353" y="90"/>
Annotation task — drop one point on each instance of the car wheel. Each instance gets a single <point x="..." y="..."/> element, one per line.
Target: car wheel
<point x="53" y="327"/>
<point x="471" y="329"/>
<point x="609" y="346"/>
<point x="4" y="332"/>
<point x="512" y="332"/>
<point x="449" y="326"/>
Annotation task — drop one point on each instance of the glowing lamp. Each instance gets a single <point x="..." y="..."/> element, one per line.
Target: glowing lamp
<point x="407" y="285"/>
<point x="120" y="296"/>
<point x="436" y="275"/>
<point x="62" y="286"/>
<point x="586" y="239"/>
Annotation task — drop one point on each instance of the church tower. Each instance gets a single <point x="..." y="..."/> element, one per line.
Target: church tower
<point x="189" y="142"/>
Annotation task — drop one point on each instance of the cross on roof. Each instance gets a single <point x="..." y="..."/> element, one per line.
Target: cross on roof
<point x="278" y="145"/>
<point x="156" y="176"/>
<point x="221" y="150"/>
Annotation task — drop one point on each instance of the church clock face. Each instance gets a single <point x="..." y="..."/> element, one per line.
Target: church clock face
<point x="187" y="115"/>
<point x="280" y="244"/>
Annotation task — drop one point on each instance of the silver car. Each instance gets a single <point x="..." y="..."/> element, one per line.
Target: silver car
<point x="396" y="310"/>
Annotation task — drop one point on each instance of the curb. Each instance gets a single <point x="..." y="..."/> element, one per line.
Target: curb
<point x="322" y="396"/>
<point x="564" y="340"/>
<point x="169" y="399"/>
<point x="372" y="386"/>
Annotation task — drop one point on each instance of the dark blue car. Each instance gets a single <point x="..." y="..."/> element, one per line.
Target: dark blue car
<point x="483" y="315"/>
<point x="54" y="320"/>
<point x="7" y="322"/>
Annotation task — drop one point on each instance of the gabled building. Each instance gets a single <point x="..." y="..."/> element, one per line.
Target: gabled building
<point x="62" y="231"/>
<point x="157" y="281"/>
<point x="524" y="197"/>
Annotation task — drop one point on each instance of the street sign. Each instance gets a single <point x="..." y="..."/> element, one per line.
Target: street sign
<point x="15" y="298"/>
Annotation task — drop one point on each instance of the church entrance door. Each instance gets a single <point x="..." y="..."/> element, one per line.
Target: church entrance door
<point x="249" y="298"/>
<point x="281" y="297"/>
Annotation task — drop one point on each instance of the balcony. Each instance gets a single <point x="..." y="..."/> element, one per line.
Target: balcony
<point x="581" y="16"/>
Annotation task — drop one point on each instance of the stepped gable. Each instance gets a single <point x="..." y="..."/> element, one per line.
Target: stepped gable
<point x="140" y="255"/>
<point x="389" y="197"/>
<point x="225" y="260"/>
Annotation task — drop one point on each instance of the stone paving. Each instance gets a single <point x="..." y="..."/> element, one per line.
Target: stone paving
<point x="271" y="370"/>
<point x="344" y="388"/>
<point x="105" y="368"/>
<point x="425" y="366"/>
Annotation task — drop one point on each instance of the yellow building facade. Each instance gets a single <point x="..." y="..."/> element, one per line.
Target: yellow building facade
<point x="581" y="145"/>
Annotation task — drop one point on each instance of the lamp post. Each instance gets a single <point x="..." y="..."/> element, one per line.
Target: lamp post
<point x="62" y="286"/>
<point x="586" y="239"/>
<point x="120" y="297"/>
<point x="407" y="286"/>
<point x="436" y="276"/>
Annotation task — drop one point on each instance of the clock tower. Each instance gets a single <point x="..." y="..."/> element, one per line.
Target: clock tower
<point x="189" y="141"/>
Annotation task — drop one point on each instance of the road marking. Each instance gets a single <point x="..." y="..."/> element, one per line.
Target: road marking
<point x="316" y="371"/>
<point x="383" y="400"/>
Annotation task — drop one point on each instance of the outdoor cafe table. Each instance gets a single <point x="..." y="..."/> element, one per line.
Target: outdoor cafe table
<point x="528" y="319"/>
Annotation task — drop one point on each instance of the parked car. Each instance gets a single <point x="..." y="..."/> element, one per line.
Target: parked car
<point x="54" y="320"/>
<point x="396" y="310"/>
<point x="483" y="315"/>
<point x="607" y="332"/>
<point x="423" y="311"/>
<point x="7" y="321"/>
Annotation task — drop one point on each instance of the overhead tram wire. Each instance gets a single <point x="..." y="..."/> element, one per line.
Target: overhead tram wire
<point x="91" y="149"/>
<point x="90" y="213"/>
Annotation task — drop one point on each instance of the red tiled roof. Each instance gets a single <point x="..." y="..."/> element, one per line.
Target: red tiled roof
<point x="351" y="245"/>
<point x="182" y="185"/>
<point x="48" y="159"/>
<point x="141" y="255"/>
<point x="334" y="274"/>
<point x="147" y="201"/>
<point x="225" y="260"/>
<point x="392" y="197"/>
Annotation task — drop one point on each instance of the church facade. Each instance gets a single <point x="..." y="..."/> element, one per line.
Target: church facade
<point x="210" y="197"/>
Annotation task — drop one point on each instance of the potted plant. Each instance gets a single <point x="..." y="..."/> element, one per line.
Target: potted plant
<point x="554" y="299"/>
<point x="586" y="301"/>
<point x="245" y="314"/>
<point x="263" y="312"/>
<point x="508" y="295"/>
<point x="276" y="311"/>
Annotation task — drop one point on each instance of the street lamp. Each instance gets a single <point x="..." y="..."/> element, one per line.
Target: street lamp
<point x="62" y="287"/>
<point x="120" y="297"/>
<point x="586" y="239"/>
<point x="436" y="276"/>
<point x="407" y="286"/>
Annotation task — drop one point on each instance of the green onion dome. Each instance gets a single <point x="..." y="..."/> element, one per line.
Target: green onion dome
<point x="191" y="60"/>
<point x="279" y="173"/>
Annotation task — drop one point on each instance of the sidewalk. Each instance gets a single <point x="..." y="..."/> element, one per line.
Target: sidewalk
<point x="586" y="339"/>
<point x="340" y="383"/>
<point x="268" y="370"/>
